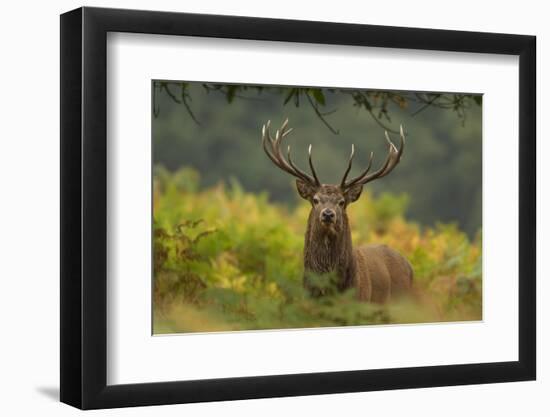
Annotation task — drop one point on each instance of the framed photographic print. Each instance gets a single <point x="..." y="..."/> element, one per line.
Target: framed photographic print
<point x="256" y="207"/>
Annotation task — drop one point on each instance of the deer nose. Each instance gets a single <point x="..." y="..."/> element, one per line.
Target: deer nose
<point x="327" y="215"/>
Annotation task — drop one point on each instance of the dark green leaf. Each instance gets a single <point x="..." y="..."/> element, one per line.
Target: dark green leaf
<point x="318" y="96"/>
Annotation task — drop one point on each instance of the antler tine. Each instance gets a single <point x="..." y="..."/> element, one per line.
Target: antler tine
<point x="266" y="137"/>
<point x="284" y="125"/>
<point x="392" y="159"/>
<point x="302" y="173"/>
<point x="311" y="166"/>
<point x="343" y="182"/>
<point x="287" y="132"/>
<point x="290" y="167"/>
<point x="358" y="178"/>
<point x="274" y="153"/>
<point x="396" y="153"/>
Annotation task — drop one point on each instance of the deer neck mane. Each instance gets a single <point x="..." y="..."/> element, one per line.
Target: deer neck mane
<point x="328" y="250"/>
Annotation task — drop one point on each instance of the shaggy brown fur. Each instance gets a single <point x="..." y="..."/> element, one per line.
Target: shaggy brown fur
<point x="376" y="271"/>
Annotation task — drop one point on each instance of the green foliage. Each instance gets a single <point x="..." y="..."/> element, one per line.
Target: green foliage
<point x="226" y="259"/>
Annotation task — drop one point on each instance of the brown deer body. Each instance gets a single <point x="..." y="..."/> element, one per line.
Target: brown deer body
<point x="377" y="272"/>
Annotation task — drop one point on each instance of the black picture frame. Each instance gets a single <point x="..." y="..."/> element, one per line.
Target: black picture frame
<point x="84" y="207"/>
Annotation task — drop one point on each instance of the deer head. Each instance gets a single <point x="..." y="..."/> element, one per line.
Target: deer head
<point x="328" y="201"/>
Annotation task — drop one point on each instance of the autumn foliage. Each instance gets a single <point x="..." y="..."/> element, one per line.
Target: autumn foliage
<point x="225" y="259"/>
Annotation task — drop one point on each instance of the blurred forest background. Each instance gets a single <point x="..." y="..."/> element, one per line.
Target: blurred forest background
<point x="229" y="226"/>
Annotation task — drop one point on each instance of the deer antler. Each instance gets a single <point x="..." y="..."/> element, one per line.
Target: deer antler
<point x="272" y="148"/>
<point x="393" y="158"/>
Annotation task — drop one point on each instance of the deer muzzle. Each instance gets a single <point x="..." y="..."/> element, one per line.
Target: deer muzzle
<point x="328" y="216"/>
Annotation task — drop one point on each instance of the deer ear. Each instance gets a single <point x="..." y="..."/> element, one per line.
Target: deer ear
<point x="353" y="193"/>
<point x="305" y="189"/>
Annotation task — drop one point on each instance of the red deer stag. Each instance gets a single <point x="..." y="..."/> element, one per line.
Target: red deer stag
<point x="375" y="271"/>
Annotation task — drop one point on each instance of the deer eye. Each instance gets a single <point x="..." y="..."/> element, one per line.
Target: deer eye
<point x="341" y="203"/>
<point x="315" y="200"/>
